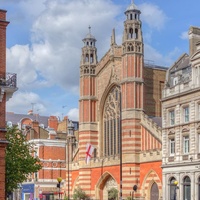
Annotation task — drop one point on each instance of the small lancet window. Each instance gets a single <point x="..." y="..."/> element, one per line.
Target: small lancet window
<point x="130" y="33"/>
<point x="87" y="43"/>
<point x="91" y="58"/>
<point x="131" y="16"/>
<point x="135" y="16"/>
<point x="87" y="58"/>
<point x="90" y="43"/>
<point x="132" y="48"/>
<point x="136" y="33"/>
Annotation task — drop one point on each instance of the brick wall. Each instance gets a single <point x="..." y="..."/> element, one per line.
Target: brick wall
<point x="3" y="24"/>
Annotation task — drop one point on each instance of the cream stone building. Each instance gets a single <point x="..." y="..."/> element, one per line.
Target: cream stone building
<point x="181" y="125"/>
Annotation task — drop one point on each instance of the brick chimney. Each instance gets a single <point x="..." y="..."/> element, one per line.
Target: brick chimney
<point x="53" y="122"/>
<point x="194" y="39"/>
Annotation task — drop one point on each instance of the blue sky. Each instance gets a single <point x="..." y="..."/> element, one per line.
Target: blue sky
<point x="44" y="41"/>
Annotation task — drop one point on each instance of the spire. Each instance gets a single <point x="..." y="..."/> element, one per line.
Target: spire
<point x="89" y="29"/>
<point x="113" y="38"/>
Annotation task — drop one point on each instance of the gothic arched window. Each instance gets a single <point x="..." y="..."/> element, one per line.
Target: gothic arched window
<point x="91" y="58"/>
<point x="111" y="122"/>
<point x="130" y="33"/>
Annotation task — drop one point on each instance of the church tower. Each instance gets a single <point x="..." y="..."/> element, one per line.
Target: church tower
<point x="132" y="89"/>
<point x="87" y="103"/>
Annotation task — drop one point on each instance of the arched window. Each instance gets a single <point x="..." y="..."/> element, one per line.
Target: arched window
<point x="136" y="33"/>
<point x="91" y="58"/>
<point x="111" y="123"/>
<point x="187" y="188"/>
<point x="172" y="188"/>
<point x="86" y="58"/>
<point x="130" y="33"/>
<point x="131" y="16"/>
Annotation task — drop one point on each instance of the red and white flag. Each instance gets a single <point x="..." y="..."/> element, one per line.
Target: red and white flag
<point x="89" y="151"/>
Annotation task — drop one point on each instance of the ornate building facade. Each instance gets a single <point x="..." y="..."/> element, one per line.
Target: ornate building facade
<point x="181" y="125"/>
<point x="119" y="116"/>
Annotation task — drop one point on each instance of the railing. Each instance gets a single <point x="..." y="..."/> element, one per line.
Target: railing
<point x="9" y="81"/>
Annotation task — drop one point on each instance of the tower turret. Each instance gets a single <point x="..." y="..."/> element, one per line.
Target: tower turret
<point x="132" y="37"/>
<point x="89" y="55"/>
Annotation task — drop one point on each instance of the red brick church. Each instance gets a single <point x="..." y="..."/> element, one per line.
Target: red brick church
<point x="119" y="101"/>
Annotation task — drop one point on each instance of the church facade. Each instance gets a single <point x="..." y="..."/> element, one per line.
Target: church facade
<point x="119" y="116"/>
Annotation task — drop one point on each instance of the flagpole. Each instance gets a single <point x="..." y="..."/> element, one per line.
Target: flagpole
<point x="120" y="119"/>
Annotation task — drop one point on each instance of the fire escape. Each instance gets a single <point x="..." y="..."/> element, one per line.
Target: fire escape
<point x="8" y="85"/>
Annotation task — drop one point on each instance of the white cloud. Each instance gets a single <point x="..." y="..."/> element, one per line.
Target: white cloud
<point x="53" y="56"/>
<point x="56" y="41"/>
<point x="154" y="57"/>
<point x="73" y="114"/>
<point x="22" y="102"/>
<point x="184" y="35"/>
<point x="153" y="16"/>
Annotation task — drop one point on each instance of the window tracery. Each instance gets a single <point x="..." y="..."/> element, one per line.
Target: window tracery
<point x="111" y="123"/>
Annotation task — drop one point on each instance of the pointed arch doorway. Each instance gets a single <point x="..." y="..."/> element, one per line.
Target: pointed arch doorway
<point x="105" y="183"/>
<point x="154" y="193"/>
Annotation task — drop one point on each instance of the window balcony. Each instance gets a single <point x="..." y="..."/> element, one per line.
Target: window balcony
<point x="8" y="85"/>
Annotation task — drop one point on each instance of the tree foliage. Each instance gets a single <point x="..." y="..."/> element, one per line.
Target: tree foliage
<point x="112" y="194"/>
<point x="19" y="161"/>
<point x="79" y="194"/>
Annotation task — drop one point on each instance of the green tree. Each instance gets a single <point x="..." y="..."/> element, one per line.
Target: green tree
<point x="112" y="194"/>
<point x="19" y="161"/>
<point x="79" y="194"/>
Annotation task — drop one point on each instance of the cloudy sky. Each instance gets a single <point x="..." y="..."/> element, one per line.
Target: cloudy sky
<point x="44" y="41"/>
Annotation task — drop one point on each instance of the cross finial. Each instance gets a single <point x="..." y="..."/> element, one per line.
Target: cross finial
<point x="89" y="29"/>
<point x="132" y="1"/>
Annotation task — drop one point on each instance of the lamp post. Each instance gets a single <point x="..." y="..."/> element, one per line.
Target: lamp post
<point x="175" y="188"/>
<point x="59" y="179"/>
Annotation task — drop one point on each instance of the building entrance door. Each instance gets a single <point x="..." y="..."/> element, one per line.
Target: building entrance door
<point x="154" y="192"/>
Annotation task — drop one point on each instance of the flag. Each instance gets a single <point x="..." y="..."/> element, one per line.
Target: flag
<point x="89" y="151"/>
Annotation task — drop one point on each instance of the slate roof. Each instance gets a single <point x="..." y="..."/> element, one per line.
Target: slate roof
<point x="16" y="118"/>
<point x="157" y="120"/>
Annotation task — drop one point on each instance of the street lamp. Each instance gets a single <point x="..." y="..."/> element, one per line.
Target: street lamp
<point x="175" y="188"/>
<point x="134" y="190"/>
<point x="59" y="179"/>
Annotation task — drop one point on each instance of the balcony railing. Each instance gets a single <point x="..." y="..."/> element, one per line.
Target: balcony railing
<point x="9" y="81"/>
